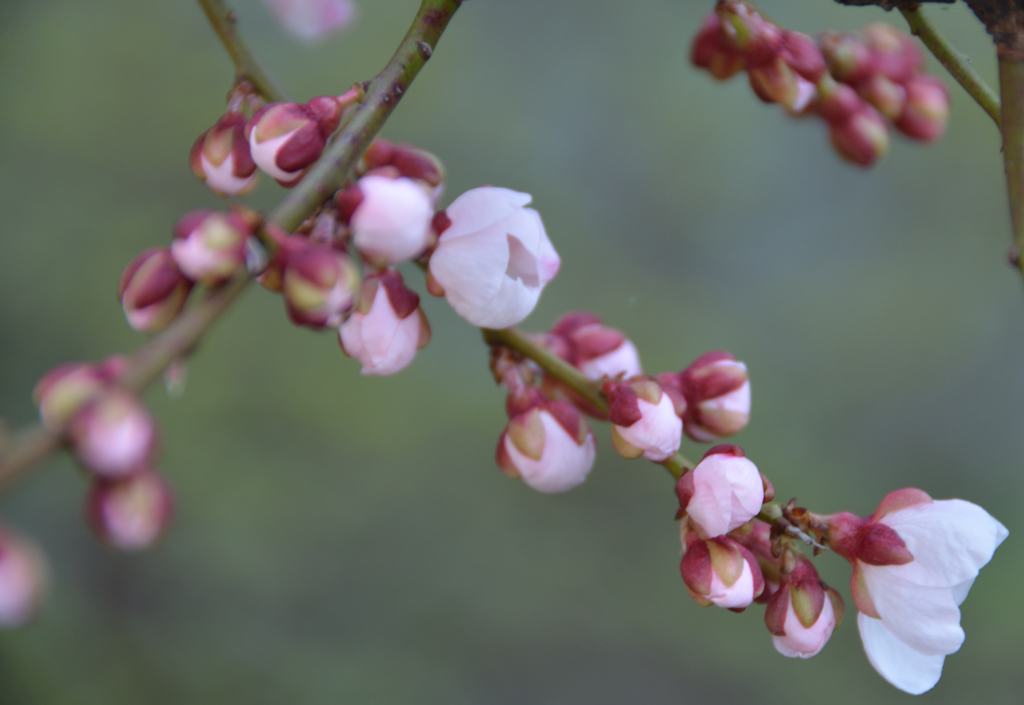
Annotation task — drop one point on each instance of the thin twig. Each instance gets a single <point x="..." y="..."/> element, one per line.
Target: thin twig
<point x="222" y="19"/>
<point x="1011" y="86"/>
<point x="30" y="446"/>
<point x="957" y="64"/>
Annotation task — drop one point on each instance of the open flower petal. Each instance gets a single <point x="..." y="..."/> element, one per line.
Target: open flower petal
<point x="909" y="670"/>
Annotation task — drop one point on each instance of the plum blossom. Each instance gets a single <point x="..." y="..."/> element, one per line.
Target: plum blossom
<point x="313" y="20"/>
<point x="113" y="435"/>
<point x="914" y="560"/>
<point x="802" y="612"/>
<point x="391" y="224"/>
<point x="132" y="513"/>
<point x="595" y="349"/>
<point x="220" y="157"/>
<point x="153" y="290"/>
<point x="549" y="446"/>
<point x="719" y="571"/>
<point x="495" y="258"/>
<point x="644" y="420"/>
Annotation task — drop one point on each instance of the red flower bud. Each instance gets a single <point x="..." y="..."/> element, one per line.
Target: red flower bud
<point x="132" y="513"/>
<point x="220" y="157"/>
<point x="153" y="290"/>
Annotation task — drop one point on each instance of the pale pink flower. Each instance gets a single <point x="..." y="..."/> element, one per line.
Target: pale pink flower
<point x="644" y="420"/>
<point x="550" y="446"/>
<point x="495" y="258"/>
<point x="387" y="328"/>
<point x="391" y="224"/>
<point x="313" y="20"/>
<point x="113" y="435"/>
<point x="914" y="561"/>
<point x="723" y="492"/>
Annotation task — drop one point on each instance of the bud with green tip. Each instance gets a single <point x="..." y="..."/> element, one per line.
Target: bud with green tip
<point x="803" y="612"/>
<point x="644" y="419"/>
<point x="320" y="284"/>
<point x="220" y="157"/>
<point x="153" y="290"/>
<point x="65" y="389"/>
<point x="209" y="246"/>
<point x="550" y="446"/>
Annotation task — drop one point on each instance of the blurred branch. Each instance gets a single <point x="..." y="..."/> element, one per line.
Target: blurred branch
<point x="569" y="376"/>
<point x="956" y="63"/>
<point x="30" y="446"/>
<point x="222" y="19"/>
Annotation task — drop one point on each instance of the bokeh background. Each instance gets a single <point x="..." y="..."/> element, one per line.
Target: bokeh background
<point x="349" y="539"/>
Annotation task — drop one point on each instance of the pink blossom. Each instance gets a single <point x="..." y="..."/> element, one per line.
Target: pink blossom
<point x="319" y="284"/>
<point x="716" y="389"/>
<point x="550" y="446"/>
<point x="285" y="138"/>
<point x="313" y="20"/>
<point x="722" y="493"/>
<point x="595" y="349"/>
<point x="391" y="224"/>
<point x="495" y="258"/>
<point x="209" y="246"/>
<point x="388" y="327"/>
<point x="914" y="561"/>
<point x="65" y="389"/>
<point x="644" y="420"/>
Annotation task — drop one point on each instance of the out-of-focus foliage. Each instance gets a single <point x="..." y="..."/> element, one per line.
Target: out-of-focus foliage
<point x="348" y="539"/>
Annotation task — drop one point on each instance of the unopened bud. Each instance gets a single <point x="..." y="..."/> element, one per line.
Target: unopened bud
<point x="598" y="351"/>
<point x="801" y="53"/>
<point x="132" y="513"/>
<point x="848" y="58"/>
<point x="717" y="392"/>
<point x="895" y="54"/>
<point x="391" y="222"/>
<point x="23" y="579"/>
<point x="803" y="612"/>
<point x="153" y="290"/>
<point x="644" y="419"/>
<point x="722" y="493"/>
<point x="719" y="571"/>
<point x="744" y="29"/>
<point x="409" y="161"/>
<point x="549" y="446"/>
<point x="209" y="246"/>
<point x="313" y="20"/>
<point x="285" y="138"/>
<point x="887" y="96"/>
<point x="64" y="390"/>
<point x="862" y="138"/>
<point x="926" y="110"/>
<point x="320" y="285"/>
<point x="710" y="51"/>
<point x="113" y="435"/>
<point x="221" y="157"/>
<point x="387" y="327"/>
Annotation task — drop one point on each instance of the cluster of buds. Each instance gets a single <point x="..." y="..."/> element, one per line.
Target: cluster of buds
<point x="114" y="438"/>
<point x="852" y="82"/>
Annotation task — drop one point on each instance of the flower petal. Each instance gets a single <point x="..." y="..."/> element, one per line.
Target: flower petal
<point x="478" y="208"/>
<point x="925" y="618"/>
<point x="909" y="670"/>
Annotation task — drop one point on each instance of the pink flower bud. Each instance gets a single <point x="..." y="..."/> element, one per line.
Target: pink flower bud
<point x="803" y="612"/>
<point x="153" y="290"/>
<point x="926" y="110"/>
<point x="717" y="393"/>
<point x="722" y="493"/>
<point x="719" y="571"/>
<point x="598" y="351"/>
<point x="113" y="435"/>
<point x="550" y="446"/>
<point x="64" y="390"/>
<point x="495" y="258"/>
<point x="132" y="513"/>
<point x="744" y="29"/>
<point x="644" y="420"/>
<point x="837" y="102"/>
<point x="23" y="579"/>
<point x="888" y="97"/>
<point x="388" y="326"/>
<point x="220" y="157"/>
<point x="410" y="162"/>
<point x="775" y="82"/>
<point x="209" y="246"/>
<point x="862" y="138"/>
<point x="391" y="223"/>
<point x="285" y="138"/>
<point x="848" y="58"/>
<point x="895" y="55"/>
<point x="313" y="20"/>
<point x="801" y="53"/>
<point x="319" y="284"/>
<point x="710" y="51"/>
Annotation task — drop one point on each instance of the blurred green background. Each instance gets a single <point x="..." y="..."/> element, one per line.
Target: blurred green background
<point x="349" y="539"/>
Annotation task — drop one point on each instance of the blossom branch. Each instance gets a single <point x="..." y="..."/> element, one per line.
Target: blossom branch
<point x="956" y="63"/>
<point x="31" y="446"/>
<point x="222" y="19"/>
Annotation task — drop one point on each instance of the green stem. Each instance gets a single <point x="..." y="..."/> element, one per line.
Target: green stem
<point x="957" y="64"/>
<point x="569" y="376"/>
<point x="222" y="19"/>
<point x="30" y="446"/>
<point x="1011" y="85"/>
